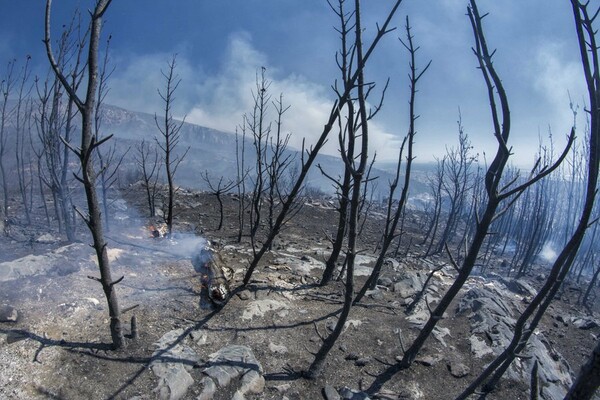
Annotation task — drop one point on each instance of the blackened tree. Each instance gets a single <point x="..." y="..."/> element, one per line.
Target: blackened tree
<point x="169" y="129"/>
<point x="86" y="106"/>
<point x="495" y="191"/>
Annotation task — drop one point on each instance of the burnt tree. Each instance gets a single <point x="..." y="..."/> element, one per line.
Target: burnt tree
<point x="218" y="189"/>
<point x="588" y="380"/>
<point x="343" y="187"/>
<point x="278" y="162"/>
<point x="457" y="184"/>
<point x="109" y="161"/>
<point x="55" y="122"/>
<point x="533" y="313"/>
<point x="23" y="118"/>
<point x="86" y="106"/>
<point x="496" y="193"/>
<point x="169" y="130"/>
<point x="6" y="88"/>
<point x="434" y="214"/>
<point x="396" y="210"/>
<point x="259" y="128"/>
<point x="242" y="171"/>
<point x="356" y="138"/>
<point x="309" y="155"/>
<point x="149" y="162"/>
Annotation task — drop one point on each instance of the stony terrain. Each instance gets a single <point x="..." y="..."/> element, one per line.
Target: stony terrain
<point x="258" y="344"/>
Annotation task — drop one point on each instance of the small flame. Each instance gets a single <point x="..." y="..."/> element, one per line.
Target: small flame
<point x="157" y="232"/>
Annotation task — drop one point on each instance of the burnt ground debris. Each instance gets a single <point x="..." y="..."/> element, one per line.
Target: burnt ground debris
<point x="59" y="345"/>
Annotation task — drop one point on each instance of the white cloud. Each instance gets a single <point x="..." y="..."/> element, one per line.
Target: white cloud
<point x="556" y="76"/>
<point x="136" y="80"/>
<point x="543" y="103"/>
<point x="219" y="100"/>
<point x="224" y="98"/>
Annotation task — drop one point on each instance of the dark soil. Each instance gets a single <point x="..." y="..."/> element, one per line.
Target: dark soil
<point x="59" y="347"/>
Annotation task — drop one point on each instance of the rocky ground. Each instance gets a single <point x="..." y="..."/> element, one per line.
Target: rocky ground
<point x="54" y="335"/>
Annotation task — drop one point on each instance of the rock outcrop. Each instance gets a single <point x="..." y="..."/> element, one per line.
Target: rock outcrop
<point x="227" y="367"/>
<point x="492" y="308"/>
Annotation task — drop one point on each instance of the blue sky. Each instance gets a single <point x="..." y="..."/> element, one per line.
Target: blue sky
<point x="221" y="44"/>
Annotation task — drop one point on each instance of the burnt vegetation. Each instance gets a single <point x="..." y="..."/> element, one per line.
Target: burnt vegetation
<point x="457" y="298"/>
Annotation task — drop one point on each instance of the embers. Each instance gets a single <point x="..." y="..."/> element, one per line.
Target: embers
<point x="158" y="231"/>
<point x="201" y="258"/>
<point x="215" y="286"/>
<point x="218" y="293"/>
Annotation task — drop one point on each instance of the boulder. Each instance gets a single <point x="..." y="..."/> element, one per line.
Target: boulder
<point x="410" y="284"/>
<point x="520" y="286"/>
<point x="491" y="309"/>
<point x="584" y="323"/>
<point x="47" y="238"/>
<point x="349" y="394"/>
<point x="408" y="391"/>
<point x="375" y="294"/>
<point x="479" y="347"/>
<point x="330" y="393"/>
<point x="8" y="313"/>
<point x="428" y="360"/>
<point x="208" y="389"/>
<point x="458" y="369"/>
<point x="361" y="362"/>
<point x="258" y="308"/>
<point x="61" y="261"/>
<point x="171" y="363"/>
<point x="278" y="349"/>
<point x="491" y="314"/>
<point x="244" y="295"/>
<point x="230" y="365"/>
<point x="385" y="281"/>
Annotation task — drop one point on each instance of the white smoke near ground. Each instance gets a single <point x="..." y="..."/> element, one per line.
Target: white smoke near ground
<point x="132" y="227"/>
<point x="187" y="245"/>
<point x="548" y="253"/>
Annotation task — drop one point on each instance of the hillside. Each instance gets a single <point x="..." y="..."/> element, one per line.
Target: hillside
<point x="214" y="150"/>
<point x="57" y="348"/>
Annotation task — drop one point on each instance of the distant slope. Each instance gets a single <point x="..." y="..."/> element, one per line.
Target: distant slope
<point x="214" y="150"/>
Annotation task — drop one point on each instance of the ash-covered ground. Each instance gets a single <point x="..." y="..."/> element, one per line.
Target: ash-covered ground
<point x="258" y="344"/>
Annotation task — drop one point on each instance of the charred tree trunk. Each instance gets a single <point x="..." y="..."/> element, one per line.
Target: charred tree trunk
<point x="588" y="380"/>
<point x="344" y="187"/>
<point x="357" y="172"/>
<point x="6" y="86"/>
<point x="55" y="122"/>
<point x="150" y="166"/>
<point x="340" y="234"/>
<point x="278" y="163"/>
<point x="218" y="190"/>
<point x="436" y="188"/>
<point x="261" y="131"/>
<point x="41" y="187"/>
<point x="307" y="162"/>
<point x="457" y="184"/>
<point x="393" y="216"/>
<point x="495" y="193"/>
<point x="241" y="175"/>
<point x="169" y="130"/>
<point x="85" y="153"/>
<point x="23" y="116"/>
<point x="531" y="316"/>
<point x="591" y="284"/>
